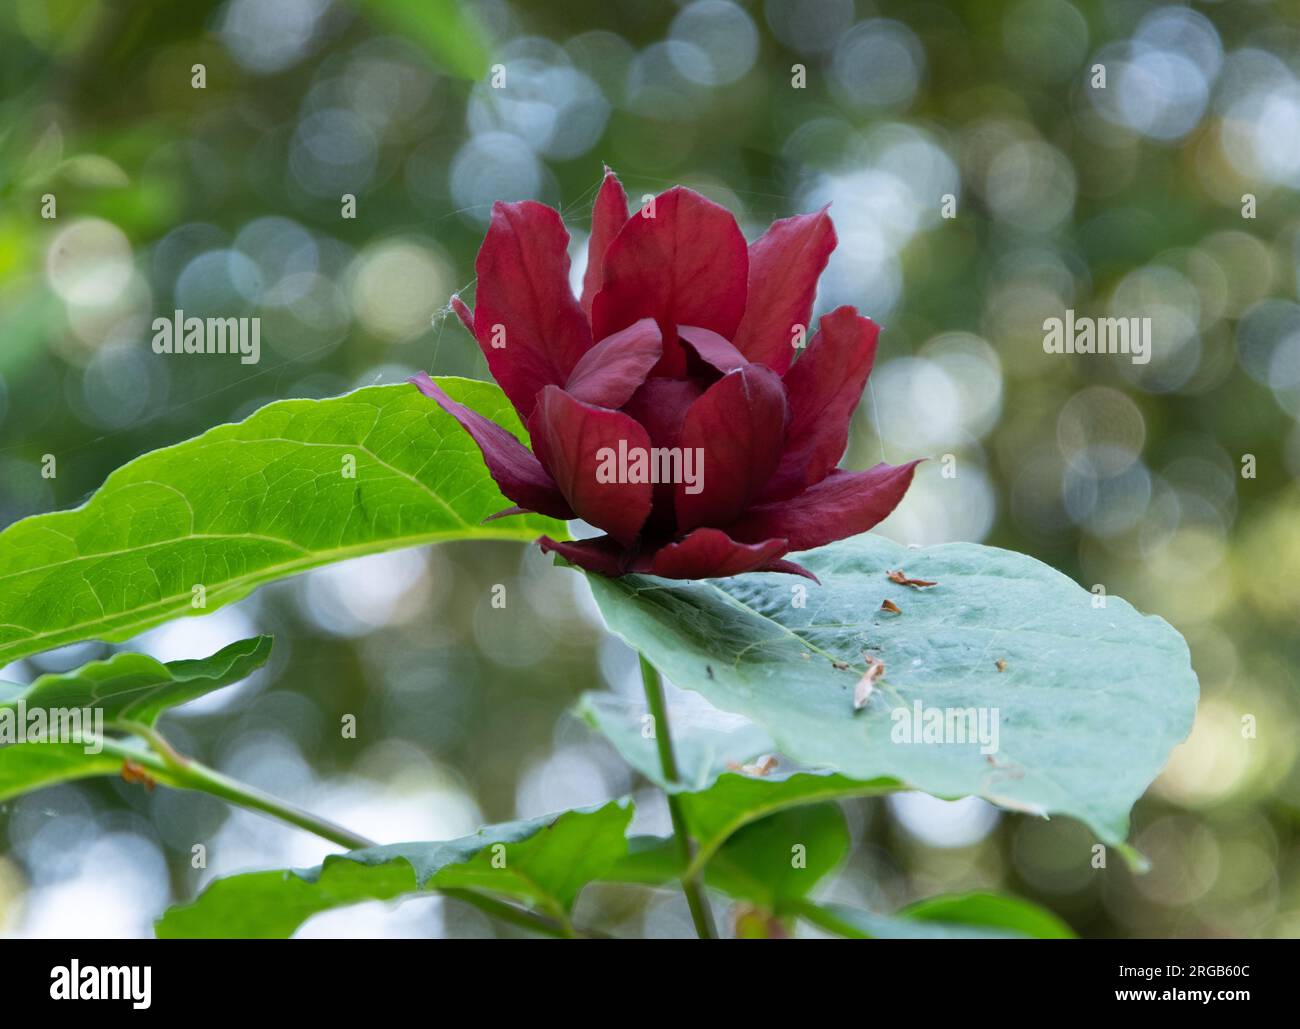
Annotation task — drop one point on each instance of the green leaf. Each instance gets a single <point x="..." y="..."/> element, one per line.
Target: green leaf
<point x="702" y="752"/>
<point x="137" y="688"/>
<point x="246" y="504"/>
<point x="736" y="801"/>
<point x="733" y="817"/>
<point x="990" y="909"/>
<point x="30" y="766"/>
<point x="970" y="916"/>
<point x="781" y="858"/>
<point x="1089" y="703"/>
<point x="714" y="815"/>
<point x="855" y="924"/>
<point x="544" y="862"/>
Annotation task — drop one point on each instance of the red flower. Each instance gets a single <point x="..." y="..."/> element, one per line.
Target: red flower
<point x="677" y="363"/>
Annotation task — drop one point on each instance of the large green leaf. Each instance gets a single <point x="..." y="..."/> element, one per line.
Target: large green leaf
<point x="136" y="688"/>
<point x="544" y="862"/>
<point x="244" y="504"/>
<point x="970" y="916"/>
<point x="1089" y="700"/>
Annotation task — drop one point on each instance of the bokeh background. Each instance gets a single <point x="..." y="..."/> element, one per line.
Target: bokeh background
<point x="1124" y="201"/>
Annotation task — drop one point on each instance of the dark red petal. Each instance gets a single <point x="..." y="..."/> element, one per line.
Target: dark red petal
<point x="712" y="349"/>
<point x="790" y="568"/>
<point x="511" y="464"/>
<point x="661" y="405"/>
<point x="784" y="266"/>
<point x="601" y="554"/>
<point x="686" y="265"/>
<point x="526" y="319"/>
<point x="711" y="553"/>
<point x="611" y="371"/>
<point x="608" y="215"/>
<point x="572" y="441"/>
<point x="463" y="312"/>
<point x="823" y="389"/>
<point x="738" y="426"/>
<point x="841" y="505"/>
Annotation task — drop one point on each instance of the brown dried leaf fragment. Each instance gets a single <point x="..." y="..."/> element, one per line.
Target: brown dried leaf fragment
<point x="891" y="607"/>
<point x="136" y="774"/>
<point x="1001" y="665"/>
<point x="763" y="766"/>
<point x="901" y="578"/>
<point x="867" y="684"/>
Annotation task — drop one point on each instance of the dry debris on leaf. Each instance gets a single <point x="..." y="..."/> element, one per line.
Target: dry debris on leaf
<point x="891" y="607"/>
<point x="763" y="766"/>
<point x="136" y="774"/>
<point x="1005" y="769"/>
<point x="1001" y="664"/>
<point x="867" y="684"/>
<point x="902" y="579"/>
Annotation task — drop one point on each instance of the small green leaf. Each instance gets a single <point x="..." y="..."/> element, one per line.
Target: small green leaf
<point x="855" y="924"/>
<point x="990" y="909"/>
<point x="781" y="858"/>
<point x="30" y="766"/>
<point x="1089" y="700"/>
<point x="969" y="916"/>
<point x="544" y="862"/>
<point x="298" y="484"/>
<point x="136" y="688"/>
<point x="736" y="801"/>
<point x="733" y="802"/>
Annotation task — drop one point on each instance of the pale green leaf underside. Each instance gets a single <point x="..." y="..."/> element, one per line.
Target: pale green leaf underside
<point x="545" y="863"/>
<point x="136" y="688"/>
<point x="1090" y="702"/>
<point x="702" y="752"/>
<point x="245" y="504"/>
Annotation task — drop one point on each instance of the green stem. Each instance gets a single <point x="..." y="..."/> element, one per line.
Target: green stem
<point x="199" y="777"/>
<point x="189" y="774"/>
<point x="695" y="900"/>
